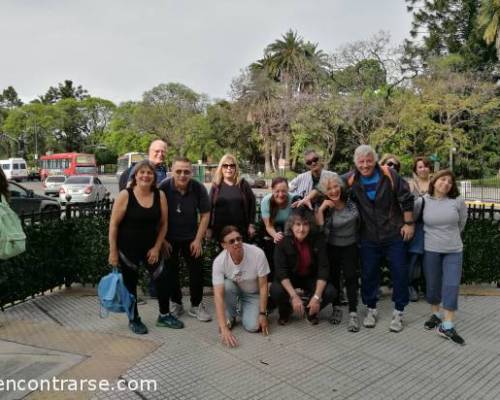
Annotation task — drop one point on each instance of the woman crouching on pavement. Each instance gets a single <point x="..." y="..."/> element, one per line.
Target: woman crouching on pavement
<point x="339" y="218"/>
<point x="445" y="215"/>
<point x="239" y="278"/>
<point x="301" y="262"/>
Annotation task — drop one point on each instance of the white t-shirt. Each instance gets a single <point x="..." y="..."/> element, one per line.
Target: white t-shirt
<point x="246" y="273"/>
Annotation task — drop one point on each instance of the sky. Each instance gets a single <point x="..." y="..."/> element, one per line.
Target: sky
<point x="118" y="49"/>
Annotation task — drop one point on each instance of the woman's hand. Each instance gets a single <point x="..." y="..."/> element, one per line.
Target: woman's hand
<point x="327" y="203"/>
<point x="227" y="338"/>
<point x="113" y="258"/>
<point x="153" y="255"/>
<point x="278" y="236"/>
<point x="298" y="306"/>
<point x="407" y="231"/>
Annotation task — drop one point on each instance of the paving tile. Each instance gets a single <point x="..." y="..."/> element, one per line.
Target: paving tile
<point x="325" y="383"/>
<point x="280" y="392"/>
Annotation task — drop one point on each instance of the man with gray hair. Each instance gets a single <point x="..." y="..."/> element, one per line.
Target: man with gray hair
<point x="385" y="206"/>
<point x="304" y="183"/>
<point x="156" y="154"/>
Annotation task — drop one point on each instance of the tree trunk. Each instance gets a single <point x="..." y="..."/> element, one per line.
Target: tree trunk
<point x="267" y="154"/>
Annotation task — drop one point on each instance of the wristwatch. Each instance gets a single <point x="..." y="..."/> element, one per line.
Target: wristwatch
<point x="409" y="222"/>
<point x="264" y="313"/>
<point x="317" y="298"/>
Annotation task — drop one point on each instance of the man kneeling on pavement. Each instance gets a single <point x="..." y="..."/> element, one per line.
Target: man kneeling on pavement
<point x="239" y="278"/>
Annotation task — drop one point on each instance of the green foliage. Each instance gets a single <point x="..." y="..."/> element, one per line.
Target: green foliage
<point x="481" y="255"/>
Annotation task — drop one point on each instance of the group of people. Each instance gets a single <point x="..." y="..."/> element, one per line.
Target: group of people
<point x="322" y="232"/>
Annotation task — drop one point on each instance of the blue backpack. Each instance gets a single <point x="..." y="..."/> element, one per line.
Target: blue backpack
<point x="114" y="296"/>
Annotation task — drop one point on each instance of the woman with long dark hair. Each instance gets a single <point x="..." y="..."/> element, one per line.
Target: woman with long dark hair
<point x="275" y="209"/>
<point x="301" y="270"/>
<point x="137" y="229"/>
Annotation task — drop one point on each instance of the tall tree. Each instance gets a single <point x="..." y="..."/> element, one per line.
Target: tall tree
<point x="489" y="20"/>
<point x="9" y="98"/>
<point x="64" y="90"/>
<point x="442" y="27"/>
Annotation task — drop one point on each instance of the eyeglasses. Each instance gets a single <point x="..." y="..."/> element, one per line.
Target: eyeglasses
<point x="237" y="239"/>
<point x="312" y="160"/>
<point x="227" y="166"/>
<point x="185" y="172"/>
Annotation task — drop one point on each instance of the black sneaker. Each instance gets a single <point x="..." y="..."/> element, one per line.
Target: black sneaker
<point x="138" y="327"/>
<point x="450" y="334"/>
<point x="432" y="322"/>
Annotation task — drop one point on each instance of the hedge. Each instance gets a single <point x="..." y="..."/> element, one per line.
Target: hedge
<point x="74" y="248"/>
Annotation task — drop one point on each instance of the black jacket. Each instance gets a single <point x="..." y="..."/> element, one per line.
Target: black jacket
<point x="382" y="219"/>
<point x="286" y="260"/>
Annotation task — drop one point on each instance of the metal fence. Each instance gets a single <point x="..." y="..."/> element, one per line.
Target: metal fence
<point x="485" y="190"/>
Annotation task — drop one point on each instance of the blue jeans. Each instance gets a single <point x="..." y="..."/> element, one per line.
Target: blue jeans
<point x="371" y="256"/>
<point x="248" y="304"/>
<point x="443" y="272"/>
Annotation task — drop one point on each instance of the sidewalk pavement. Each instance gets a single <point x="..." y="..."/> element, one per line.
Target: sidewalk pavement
<point x="63" y="335"/>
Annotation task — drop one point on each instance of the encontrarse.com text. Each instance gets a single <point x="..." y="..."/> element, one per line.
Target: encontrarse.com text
<point x="77" y="385"/>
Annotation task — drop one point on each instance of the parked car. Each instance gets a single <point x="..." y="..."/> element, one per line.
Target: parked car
<point x="82" y="189"/>
<point x="53" y="184"/>
<point x="254" y="181"/>
<point x="25" y="201"/>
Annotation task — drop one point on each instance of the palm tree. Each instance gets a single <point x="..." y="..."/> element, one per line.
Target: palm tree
<point x="489" y="20"/>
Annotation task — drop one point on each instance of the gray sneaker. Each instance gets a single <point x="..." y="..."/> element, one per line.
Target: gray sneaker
<point x="176" y="309"/>
<point x="371" y="318"/>
<point x="200" y="313"/>
<point x="397" y="321"/>
<point x="353" y="322"/>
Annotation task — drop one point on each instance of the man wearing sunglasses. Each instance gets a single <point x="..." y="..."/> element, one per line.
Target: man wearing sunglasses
<point x="304" y="183"/>
<point x="239" y="277"/>
<point x="187" y="201"/>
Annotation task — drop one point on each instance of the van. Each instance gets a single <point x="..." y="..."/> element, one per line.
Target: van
<point x="15" y="169"/>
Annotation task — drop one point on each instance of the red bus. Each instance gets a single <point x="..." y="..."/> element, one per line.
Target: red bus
<point x="67" y="164"/>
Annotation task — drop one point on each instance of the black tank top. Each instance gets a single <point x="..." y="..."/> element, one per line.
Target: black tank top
<point x="138" y="229"/>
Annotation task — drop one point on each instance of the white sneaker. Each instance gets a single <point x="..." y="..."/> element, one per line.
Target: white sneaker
<point x="176" y="309"/>
<point x="397" y="321"/>
<point x="200" y="313"/>
<point x="371" y="318"/>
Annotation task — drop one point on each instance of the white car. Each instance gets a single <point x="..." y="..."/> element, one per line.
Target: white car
<point x="82" y="189"/>
<point x="53" y="184"/>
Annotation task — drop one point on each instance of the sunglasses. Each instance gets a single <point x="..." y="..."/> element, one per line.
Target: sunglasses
<point x="185" y="172"/>
<point x="237" y="239"/>
<point x="312" y="160"/>
<point x="227" y="166"/>
<point x="392" y="164"/>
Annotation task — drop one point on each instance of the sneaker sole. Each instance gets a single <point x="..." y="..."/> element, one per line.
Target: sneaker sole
<point x="395" y="330"/>
<point x="168" y="326"/>
<point x="448" y="338"/>
<point x="193" y="315"/>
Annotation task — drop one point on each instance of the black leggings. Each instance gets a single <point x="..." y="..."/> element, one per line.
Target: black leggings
<point x="131" y="278"/>
<point x="345" y="260"/>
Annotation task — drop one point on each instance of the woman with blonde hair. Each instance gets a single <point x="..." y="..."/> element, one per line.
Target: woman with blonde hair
<point x="338" y="217"/>
<point x="232" y="200"/>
